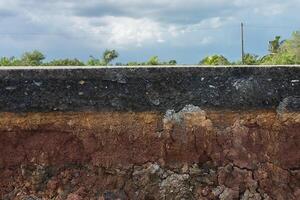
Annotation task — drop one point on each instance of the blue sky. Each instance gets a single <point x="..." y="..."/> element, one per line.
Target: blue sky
<point x="185" y="30"/>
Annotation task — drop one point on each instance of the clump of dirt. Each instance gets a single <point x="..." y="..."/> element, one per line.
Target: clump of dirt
<point x="191" y="154"/>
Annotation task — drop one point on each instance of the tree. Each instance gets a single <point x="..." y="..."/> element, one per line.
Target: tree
<point x="109" y="55"/>
<point x="288" y="52"/>
<point x="281" y="58"/>
<point x="214" y="60"/>
<point x="153" y="61"/>
<point x="274" y="45"/>
<point x="172" y="62"/>
<point x="34" y="58"/>
<point x="292" y="47"/>
<point x="95" y="62"/>
<point x="251" y="59"/>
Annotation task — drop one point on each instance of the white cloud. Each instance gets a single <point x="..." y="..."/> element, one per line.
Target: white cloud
<point x="210" y="23"/>
<point x="267" y="8"/>
<point x="124" y="31"/>
<point x="118" y="31"/>
<point x="99" y="24"/>
<point x="270" y="10"/>
<point x="127" y="32"/>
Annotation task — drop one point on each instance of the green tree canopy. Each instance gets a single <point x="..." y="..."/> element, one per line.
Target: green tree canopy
<point x="95" y="62"/>
<point x="214" y="60"/>
<point x="65" y="62"/>
<point x="153" y="60"/>
<point x="33" y="58"/>
<point x="172" y="62"/>
<point x="287" y="53"/>
<point x="274" y="45"/>
<point x="109" y="55"/>
<point x="250" y="59"/>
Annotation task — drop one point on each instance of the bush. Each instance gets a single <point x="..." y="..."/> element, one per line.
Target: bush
<point x="12" y="61"/>
<point x="214" y="60"/>
<point x="172" y="62"/>
<point x="249" y="59"/>
<point x="109" y="55"/>
<point x="95" y="62"/>
<point x="34" y="58"/>
<point x="153" y="61"/>
<point x="288" y="53"/>
<point x="65" y="62"/>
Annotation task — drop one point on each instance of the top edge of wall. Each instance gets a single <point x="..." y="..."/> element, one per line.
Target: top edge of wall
<point x="144" y="66"/>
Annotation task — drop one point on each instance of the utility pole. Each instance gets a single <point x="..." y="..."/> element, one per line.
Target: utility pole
<point x="242" y="38"/>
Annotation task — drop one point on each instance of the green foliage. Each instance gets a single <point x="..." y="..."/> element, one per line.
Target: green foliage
<point x="34" y="58"/>
<point x="135" y="63"/>
<point x="95" y="62"/>
<point x="12" y="61"/>
<point x="172" y="62"/>
<point x="281" y="58"/>
<point x="153" y="61"/>
<point x="250" y="59"/>
<point x="4" y="61"/>
<point x="65" y="62"/>
<point x="109" y="55"/>
<point x="266" y="59"/>
<point x="287" y="53"/>
<point x="214" y="60"/>
<point x="292" y="47"/>
<point x="274" y="45"/>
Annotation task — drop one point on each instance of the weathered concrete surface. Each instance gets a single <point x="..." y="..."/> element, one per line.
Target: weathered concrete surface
<point x="234" y="149"/>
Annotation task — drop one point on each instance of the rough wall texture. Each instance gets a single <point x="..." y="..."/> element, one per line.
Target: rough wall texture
<point x="216" y="150"/>
<point x="148" y="89"/>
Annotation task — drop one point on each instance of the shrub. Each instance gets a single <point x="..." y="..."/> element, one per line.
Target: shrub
<point x="34" y="58"/>
<point x="109" y="55"/>
<point x="95" y="62"/>
<point x="287" y="53"/>
<point x="12" y="61"/>
<point x="172" y="62"/>
<point x="153" y="61"/>
<point x="214" y="60"/>
<point x="65" y="62"/>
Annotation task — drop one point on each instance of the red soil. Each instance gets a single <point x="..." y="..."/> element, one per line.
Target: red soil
<point x="203" y="155"/>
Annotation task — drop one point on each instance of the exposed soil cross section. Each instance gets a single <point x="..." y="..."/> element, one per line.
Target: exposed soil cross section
<point x="165" y="133"/>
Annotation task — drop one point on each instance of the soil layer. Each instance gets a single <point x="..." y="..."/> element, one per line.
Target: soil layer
<point x="189" y="154"/>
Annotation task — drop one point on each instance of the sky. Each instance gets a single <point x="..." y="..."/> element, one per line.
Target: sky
<point x="184" y="30"/>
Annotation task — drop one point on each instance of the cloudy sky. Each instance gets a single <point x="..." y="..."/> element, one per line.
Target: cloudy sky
<point x="185" y="30"/>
